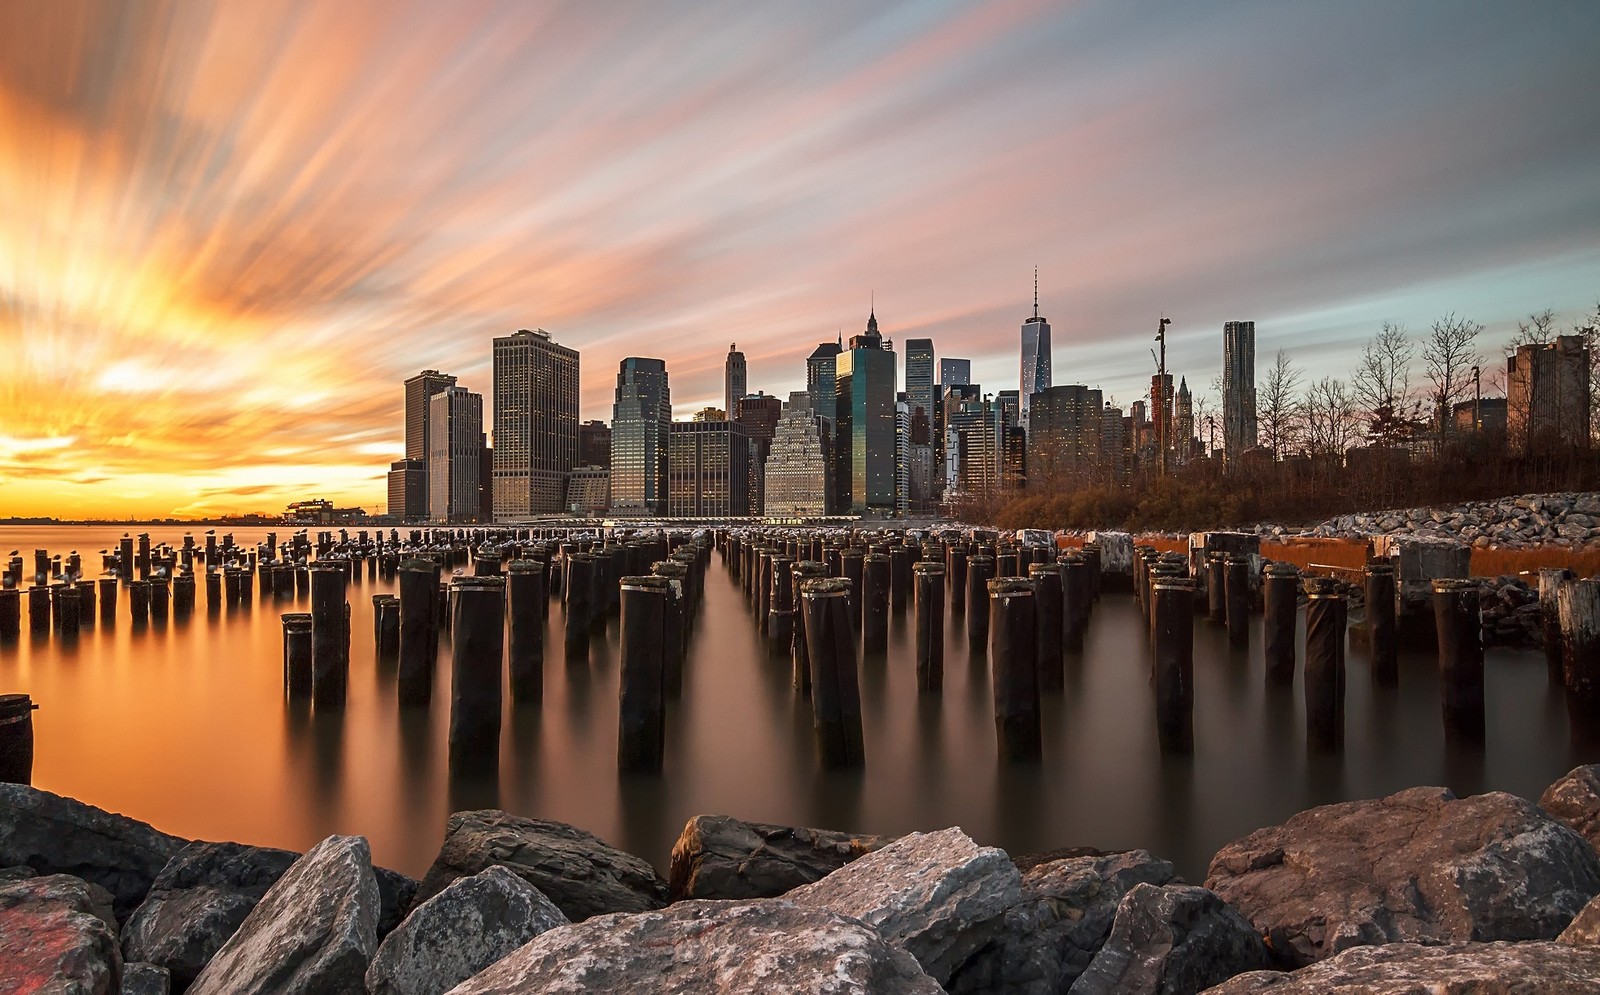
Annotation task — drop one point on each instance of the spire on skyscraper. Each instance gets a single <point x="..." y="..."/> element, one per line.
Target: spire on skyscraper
<point x="1036" y="291"/>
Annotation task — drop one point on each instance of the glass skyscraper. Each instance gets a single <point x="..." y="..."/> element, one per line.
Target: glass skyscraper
<point x="955" y="372"/>
<point x="919" y="375"/>
<point x="535" y="424"/>
<point x="418" y="391"/>
<point x="821" y="374"/>
<point x="1035" y="356"/>
<point x="865" y="424"/>
<point x="1238" y="388"/>
<point x="640" y="418"/>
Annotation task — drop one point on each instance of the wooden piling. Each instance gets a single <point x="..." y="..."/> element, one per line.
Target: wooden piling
<point x="1280" y="594"/>
<point x="419" y="630"/>
<point x="800" y="669"/>
<point x="330" y="635"/>
<point x="1172" y="661"/>
<point x="835" y="687"/>
<point x="1324" y="671"/>
<point x="1014" y="667"/>
<point x="16" y="739"/>
<point x="1381" y="629"/>
<point x="1049" y="602"/>
<point x="875" y="604"/>
<point x="641" y="725"/>
<point x="928" y="576"/>
<point x="297" y="670"/>
<point x="980" y="571"/>
<point x="1237" y="571"/>
<point x="1456" y="616"/>
<point x="525" y="599"/>
<point x="477" y="645"/>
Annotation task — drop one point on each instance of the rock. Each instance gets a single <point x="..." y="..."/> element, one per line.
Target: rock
<point x="578" y="871"/>
<point x="1574" y="801"/>
<point x="1063" y="917"/>
<point x="1585" y="927"/>
<point x="57" y="835"/>
<point x="1417" y="866"/>
<point x="717" y="856"/>
<point x="19" y="873"/>
<point x="939" y="895"/>
<point x="313" y="931"/>
<point x="1453" y="969"/>
<point x="54" y="938"/>
<point x="699" y="946"/>
<point x="1172" y="940"/>
<point x="205" y="892"/>
<point x="455" y="934"/>
<point x="139" y="978"/>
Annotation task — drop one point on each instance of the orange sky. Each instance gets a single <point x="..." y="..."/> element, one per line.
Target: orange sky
<point x="228" y="231"/>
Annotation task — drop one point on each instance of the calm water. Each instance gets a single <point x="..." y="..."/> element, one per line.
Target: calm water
<point x="186" y="727"/>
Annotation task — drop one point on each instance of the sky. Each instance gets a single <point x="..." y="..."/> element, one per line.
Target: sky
<point x="229" y="231"/>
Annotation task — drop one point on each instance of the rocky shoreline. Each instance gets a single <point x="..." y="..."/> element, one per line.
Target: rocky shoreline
<point x="1567" y="520"/>
<point x="1418" y="892"/>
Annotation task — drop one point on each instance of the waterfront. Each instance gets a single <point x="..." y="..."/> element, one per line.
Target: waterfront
<point x="186" y="727"/>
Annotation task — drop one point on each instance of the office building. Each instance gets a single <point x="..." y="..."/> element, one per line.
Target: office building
<point x="1035" y="355"/>
<point x="589" y="490"/>
<point x="640" y="415"/>
<point x="485" y="480"/>
<point x="919" y="375"/>
<point x="955" y="372"/>
<point x="408" y="489"/>
<point x="974" y="429"/>
<point x="708" y="469"/>
<point x="864" y="400"/>
<point x="821" y="374"/>
<point x="1184" y="437"/>
<point x="733" y="379"/>
<point x="1064" y="442"/>
<point x="759" y="414"/>
<point x="1547" y="395"/>
<point x="594" y="443"/>
<point x="1162" y="399"/>
<point x="799" y="467"/>
<point x="455" y="441"/>
<point x="418" y="391"/>
<point x="1238" y="388"/>
<point x="535" y="424"/>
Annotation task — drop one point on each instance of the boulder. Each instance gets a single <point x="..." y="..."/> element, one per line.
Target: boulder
<point x="1574" y="801"/>
<point x="1451" y="969"/>
<point x="313" y="931"/>
<point x="718" y="856"/>
<point x="1418" y="866"/>
<point x="1585" y="927"/>
<point x="19" y="873"/>
<point x="1063" y="917"/>
<point x="698" y="946"/>
<point x="54" y="938"/>
<point x="460" y="931"/>
<point x="939" y="895"/>
<point x="57" y="835"/>
<point x="205" y="892"/>
<point x="578" y="871"/>
<point x="1172" y="940"/>
<point x="145" y="979"/>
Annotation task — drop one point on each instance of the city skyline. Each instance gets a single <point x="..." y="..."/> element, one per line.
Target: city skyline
<point x="286" y="250"/>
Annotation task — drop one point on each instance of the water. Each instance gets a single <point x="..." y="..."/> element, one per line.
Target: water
<point x="186" y="727"/>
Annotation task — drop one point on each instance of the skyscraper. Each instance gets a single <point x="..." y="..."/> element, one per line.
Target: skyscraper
<point x="594" y="443"/>
<point x="1064" y="443"/>
<point x="821" y="372"/>
<point x="1184" y="429"/>
<point x="1238" y="388"/>
<point x="733" y="379"/>
<point x="798" y="474"/>
<point x="455" y="442"/>
<point x="708" y="473"/>
<point x="864" y="400"/>
<point x="535" y="424"/>
<point x="919" y="375"/>
<point x="418" y="390"/>
<point x="640" y="418"/>
<point x="1035" y="355"/>
<point x="408" y="489"/>
<point x="955" y="372"/>
<point x="759" y="414"/>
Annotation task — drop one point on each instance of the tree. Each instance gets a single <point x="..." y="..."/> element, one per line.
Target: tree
<point x="1537" y="330"/>
<point x="1277" y="410"/>
<point x="1448" y="356"/>
<point x="1330" y="418"/>
<point x="1381" y="386"/>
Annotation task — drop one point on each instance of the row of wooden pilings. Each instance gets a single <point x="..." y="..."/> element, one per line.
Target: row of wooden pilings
<point x="496" y="617"/>
<point x="826" y="598"/>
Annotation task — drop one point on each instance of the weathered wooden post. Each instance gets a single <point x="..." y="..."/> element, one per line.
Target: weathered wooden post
<point x="1456" y="615"/>
<point x="955" y="565"/>
<point x="875" y="604"/>
<point x="297" y="674"/>
<point x="419" y="629"/>
<point x="1579" y="606"/>
<point x="1325" y="676"/>
<point x="1077" y="598"/>
<point x="183" y="596"/>
<point x="138" y="601"/>
<point x="1091" y="556"/>
<point x="1280" y="595"/>
<point x="835" y="690"/>
<point x="330" y="635"/>
<point x="900" y="560"/>
<point x="980" y="571"/>
<point x="10" y="614"/>
<point x="763" y="588"/>
<point x="1238" y="600"/>
<point x="1014" y="666"/>
<point x="69" y="620"/>
<point x="86" y="599"/>
<point x="1048" y="601"/>
<point x="580" y="588"/>
<point x="159" y="600"/>
<point x="929" y="582"/>
<point x="526" y="598"/>
<point x="675" y="628"/>
<point x="1550" y="581"/>
<point x="641" y="726"/>
<point x="388" y="627"/>
<point x="1216" y="588"/>
<point x="780" y="611"/>
<point x="1172" y="656"/>
<point x="1382" y="647"/>
<point x="16" y="738"/>
<point x="108" y="600"/>
<point x="125" y="556"/>
<point x="852" y="564"/>
<point x="477" y="644"/>
<point x="801" y="665"/>
<point x="1006" y="565"/>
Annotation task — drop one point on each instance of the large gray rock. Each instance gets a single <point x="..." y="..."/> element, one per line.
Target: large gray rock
<point x="939" y="895"/>
<point x="53" y="938"/>
<point x="1574" y="801"/>
<point x="1172" y="940"/>
<point x="695" y="946"/>
<point x="1452" y="969"/>
<point x="1417" y="866"/>
<point x="1065" y="913"/>
<point x="205" y="892"/>
<point x="57" y="835"/>
<point x="145" y="979"/>
<point x="314" y="931"/>
<point x="718" y="856"/>
<point x="578" y="871"/>
<point x="459" y="932"/>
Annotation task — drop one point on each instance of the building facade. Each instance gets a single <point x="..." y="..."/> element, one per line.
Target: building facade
<point x="919" y="375"/>
<point x="641" y="414"/>
<point x="865" y="435"/>
<point x="455" y="439"/>
<point x="589" y="490"/>
<point x="1035" y="356"/>
<point x="822" y="368"/>
<point x="419" y="389"/>
<point x="1064" y="443"/>
<point x="535" y="424"/>
<point x="408" y="489"/>
<point x="955" y="372"/>
<point x="734" y="379"/>
<point x="1547" y="395"/>
<point x="708" y="470"/>
<point x="1238" y="388"/>
<point x="759" y="414"/>
<point x="594" y="443"/>
<point x="799" y="468"/>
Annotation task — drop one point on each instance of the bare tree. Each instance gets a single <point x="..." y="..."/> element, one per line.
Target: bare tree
<point x="1448" y="356"/>
<point x="1381" y="386"/>
<point x="1537" y="330"/>
<point x="1330" y="418"/>
<point x="1277" y="409"/>
<point x="1589" y="331"/>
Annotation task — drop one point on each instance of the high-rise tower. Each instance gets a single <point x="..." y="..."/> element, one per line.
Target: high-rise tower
<point x="455" y="446"/>
<point x="734" y="384"/>
<point x="821" y="373"/>
<point x="919" y="375"/>
<point x="640" y="418"/>
<point x="1238" y="388"/>
<point x="535" y="424"/>
<point x="865" y="423"/>
<point x="1035" y="354"/>
<point x="418" y="390"/>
